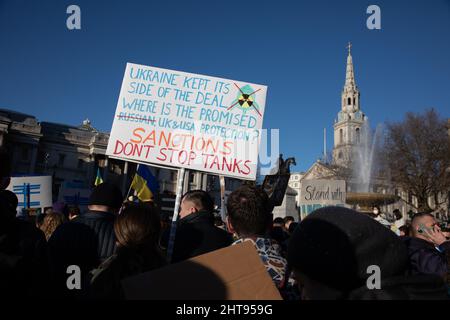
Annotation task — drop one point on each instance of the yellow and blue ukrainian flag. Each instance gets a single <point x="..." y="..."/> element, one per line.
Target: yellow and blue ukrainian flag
<point x="98" y="178"/>
<point x="144" y="183"/>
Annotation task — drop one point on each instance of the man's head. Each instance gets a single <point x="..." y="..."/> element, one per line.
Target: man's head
<point x="422" y="222"/>
<point x="331" y="250"/>
<point x="5" y="168"/>
<point x="278" y="222"/>
<point x="195" y="201"/>
<point x="248" y="212"/>
<point x="287" y="221"/>
<point x="397" y="214"/>
<point x="105" y="197"/>
<point x="404" y="230"/>
<point x="376" y="211"/>
<point x="292" y="227"/>
<point x="73" y="211"/>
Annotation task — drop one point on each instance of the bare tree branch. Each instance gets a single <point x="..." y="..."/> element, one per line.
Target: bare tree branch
<point x="416" y="152"/>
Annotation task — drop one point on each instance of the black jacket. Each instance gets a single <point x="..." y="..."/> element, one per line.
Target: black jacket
<point x="71" y="244"/>
<point x="86" y="241"/>
<point x="425" y="258"/>
<point x="23" y="261"/>
<point x="102" y="224"/>
<point x="403" y="287"/>
<point x="126" y="262"/>
<point x="196" y="234"/>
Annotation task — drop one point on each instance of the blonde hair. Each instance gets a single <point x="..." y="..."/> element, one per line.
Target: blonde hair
<point x="51" y="222"/>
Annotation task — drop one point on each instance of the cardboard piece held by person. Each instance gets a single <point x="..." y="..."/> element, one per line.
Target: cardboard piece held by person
<point x="231" y="273"/>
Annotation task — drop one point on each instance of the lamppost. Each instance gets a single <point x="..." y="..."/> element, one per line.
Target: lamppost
<point x="46" y="158"/>
<point x="211" y="184"/>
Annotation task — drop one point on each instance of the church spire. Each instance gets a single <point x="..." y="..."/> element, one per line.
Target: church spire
<point x="350" y="93"/>
<point x="350" y="75"/>
<point x="349" y="125"/>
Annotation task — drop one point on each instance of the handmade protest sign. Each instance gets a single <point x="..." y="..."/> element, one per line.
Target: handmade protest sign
<point x="186" y="120"/>
<point x="75" y="194"/>
<point x="315" y="194"/>
<point x="33" y="191"/>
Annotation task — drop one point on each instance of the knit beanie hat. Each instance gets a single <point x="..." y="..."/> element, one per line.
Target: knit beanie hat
<point x="106" y="194"/>
<point x="334" y="246"/>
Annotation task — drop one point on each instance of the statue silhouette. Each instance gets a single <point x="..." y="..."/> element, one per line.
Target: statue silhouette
<point x="275" y="185"/>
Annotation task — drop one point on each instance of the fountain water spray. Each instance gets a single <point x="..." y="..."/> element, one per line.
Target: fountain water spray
<point x="363" y="167"/>
<point x="364" y="160"/>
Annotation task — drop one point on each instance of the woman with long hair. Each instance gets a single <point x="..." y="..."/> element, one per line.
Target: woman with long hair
<point x="50" y="222"/>
<point x="137" y="230"/>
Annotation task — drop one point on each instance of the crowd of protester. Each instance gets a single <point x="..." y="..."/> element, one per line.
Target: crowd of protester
<point x="327" y="255"/>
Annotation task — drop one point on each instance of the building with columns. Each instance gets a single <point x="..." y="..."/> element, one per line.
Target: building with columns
<point x="67" y="153"/>
<point x="22" y="132"/>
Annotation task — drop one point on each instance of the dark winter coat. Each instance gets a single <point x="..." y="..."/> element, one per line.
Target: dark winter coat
<point x="425" y="258"/>
<point x="102" y="224"/>
<point x="127" y="262"/>
<point x="196" y="234"/>
<point x="85" y="242"/>
<point x="23" y="260"/>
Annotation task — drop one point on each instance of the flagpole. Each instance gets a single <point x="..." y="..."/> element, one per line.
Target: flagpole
<point x="128" y="193"/>
<point x="125" y="175"/>
<point x="222" y="199"/>
<point x="173" y="227"/>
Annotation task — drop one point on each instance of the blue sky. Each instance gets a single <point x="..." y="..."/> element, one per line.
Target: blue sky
<point x="296" y="48"/>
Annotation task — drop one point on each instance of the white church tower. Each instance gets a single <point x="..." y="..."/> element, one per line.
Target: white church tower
<point x="350" y="120"/>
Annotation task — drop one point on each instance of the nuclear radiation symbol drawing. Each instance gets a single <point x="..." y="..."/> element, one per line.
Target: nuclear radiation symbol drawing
<point x="245" y="99"/>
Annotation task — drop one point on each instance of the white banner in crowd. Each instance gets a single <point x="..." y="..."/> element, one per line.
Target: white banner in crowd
<point x="74" y="194"/>
<point x="186" y="120"/>
<point x="316" y="194"/>
<point x="32" y="192"/>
